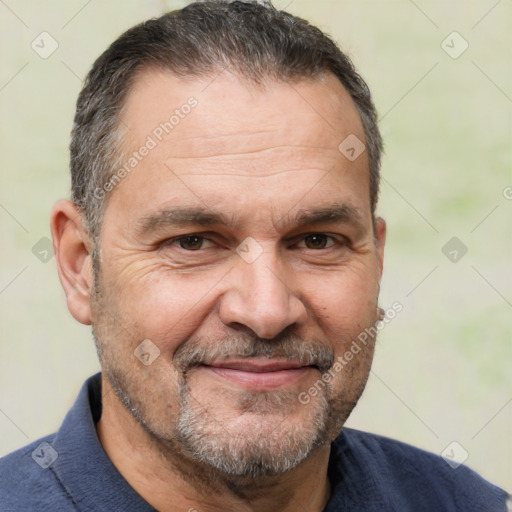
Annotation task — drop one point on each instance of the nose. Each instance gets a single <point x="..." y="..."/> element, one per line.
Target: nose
<point x="260" y="297"/>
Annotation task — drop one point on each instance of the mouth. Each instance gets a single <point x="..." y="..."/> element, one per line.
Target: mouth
<point x="259" y="374"/>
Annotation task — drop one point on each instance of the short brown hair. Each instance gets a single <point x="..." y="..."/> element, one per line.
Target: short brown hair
<point x="252" y="38"/>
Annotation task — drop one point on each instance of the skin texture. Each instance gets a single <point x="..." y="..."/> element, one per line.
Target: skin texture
<point x="185" y="435"/>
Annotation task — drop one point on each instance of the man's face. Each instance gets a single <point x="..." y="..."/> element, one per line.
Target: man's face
<point x="242" y="247"/>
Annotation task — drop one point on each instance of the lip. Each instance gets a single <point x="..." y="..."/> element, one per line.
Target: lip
<point x="259" y="374"/>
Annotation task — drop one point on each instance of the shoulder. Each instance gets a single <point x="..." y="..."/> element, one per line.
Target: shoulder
<point x="413" y="474"/>
<point x="27" y="482"/>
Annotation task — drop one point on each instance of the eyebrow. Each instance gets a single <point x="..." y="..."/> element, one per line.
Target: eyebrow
<point x="180" y="217"/>
<point x="188" y="216"/>
<point x="334" y="213"/>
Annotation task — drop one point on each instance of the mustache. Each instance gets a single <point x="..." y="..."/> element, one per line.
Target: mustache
<point x="198" y="351"/>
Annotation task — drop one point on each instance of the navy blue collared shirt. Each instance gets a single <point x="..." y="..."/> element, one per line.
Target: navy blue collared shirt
<point x="70" y="471"/>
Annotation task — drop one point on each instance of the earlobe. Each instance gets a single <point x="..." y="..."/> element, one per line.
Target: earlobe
<point x="72" y="252"/>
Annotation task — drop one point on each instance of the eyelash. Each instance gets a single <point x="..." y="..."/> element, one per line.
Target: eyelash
<point x="341" y="240"/>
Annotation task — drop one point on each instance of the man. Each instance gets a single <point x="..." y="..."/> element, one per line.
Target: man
<point x="222" y="242"/>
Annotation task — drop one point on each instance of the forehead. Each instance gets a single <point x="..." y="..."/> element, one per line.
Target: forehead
<point x="317" y="113"/>
<point x="232" y="134"/>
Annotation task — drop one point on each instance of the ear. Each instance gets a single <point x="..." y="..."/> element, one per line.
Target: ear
<point x="72" y="253"/>
<point x="380" y="242"/>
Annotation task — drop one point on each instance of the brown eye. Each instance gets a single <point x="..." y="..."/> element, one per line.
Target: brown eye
<point x="191" y="243"/>
<point x="316" y="241"/>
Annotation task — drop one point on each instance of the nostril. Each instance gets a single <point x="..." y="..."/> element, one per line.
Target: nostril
<point x="240" y="328"/>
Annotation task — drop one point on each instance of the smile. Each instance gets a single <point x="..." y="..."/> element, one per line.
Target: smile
<point x="259" y="374"/>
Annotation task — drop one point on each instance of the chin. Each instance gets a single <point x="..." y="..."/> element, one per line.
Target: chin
<point x="266" y="434"/>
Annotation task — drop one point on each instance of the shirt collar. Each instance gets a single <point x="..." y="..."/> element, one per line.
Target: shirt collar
<point x="352" y="484"/>
<point x="83" y="467"/>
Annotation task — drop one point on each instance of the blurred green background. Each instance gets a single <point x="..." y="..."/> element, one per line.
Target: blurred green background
<point x="443" y="369"/>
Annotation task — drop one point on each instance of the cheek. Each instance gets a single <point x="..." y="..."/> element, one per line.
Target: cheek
<point x="165" y="306"/>
<point x="345" y="304"/>
<point x="346" y="296"/>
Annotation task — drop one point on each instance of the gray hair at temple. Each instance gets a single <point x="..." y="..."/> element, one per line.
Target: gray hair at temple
<point x="255" y="40"/>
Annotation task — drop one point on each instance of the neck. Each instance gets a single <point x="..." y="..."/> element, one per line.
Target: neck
<point x="171" y="480"/>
